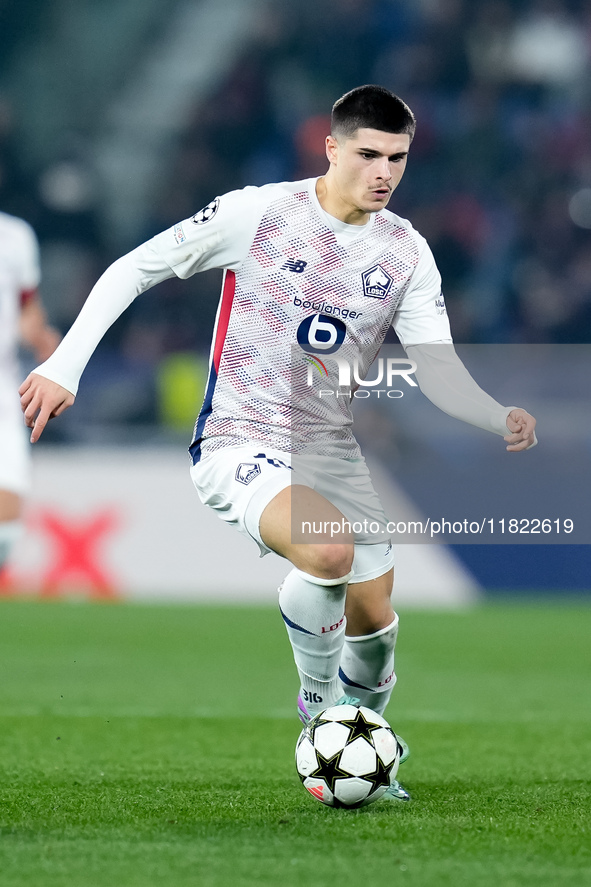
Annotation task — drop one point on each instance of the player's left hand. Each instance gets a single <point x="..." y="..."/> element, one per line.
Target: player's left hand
<point x="521" y="425"/>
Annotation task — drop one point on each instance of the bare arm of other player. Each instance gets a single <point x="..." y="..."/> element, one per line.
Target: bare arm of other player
<point x="35" y="333"/>
<point x="42" y="339"/>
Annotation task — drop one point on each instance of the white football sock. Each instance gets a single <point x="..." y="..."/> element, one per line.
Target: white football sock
<point x="367" y="667"/>
<point x="313" y="610"/>
<point x="9" y="533"/>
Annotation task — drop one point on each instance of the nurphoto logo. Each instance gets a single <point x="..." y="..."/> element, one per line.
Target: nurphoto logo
<point x="387" y="371"/>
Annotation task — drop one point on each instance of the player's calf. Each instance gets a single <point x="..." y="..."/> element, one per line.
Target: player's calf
<point x="367" y="666"/>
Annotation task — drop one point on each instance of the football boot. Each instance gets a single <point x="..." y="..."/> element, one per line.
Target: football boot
<point x="396" y="792"/>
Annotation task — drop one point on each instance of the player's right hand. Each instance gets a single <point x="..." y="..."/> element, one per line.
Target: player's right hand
<point x="42" y="400"/>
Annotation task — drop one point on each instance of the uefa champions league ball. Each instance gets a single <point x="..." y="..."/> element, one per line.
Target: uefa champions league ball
<point x="347" y="756"/>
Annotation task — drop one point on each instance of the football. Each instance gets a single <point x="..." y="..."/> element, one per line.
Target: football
<point x="347" y="756"/>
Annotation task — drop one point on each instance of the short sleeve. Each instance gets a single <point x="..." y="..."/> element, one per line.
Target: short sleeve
<point x="421" y="316"/>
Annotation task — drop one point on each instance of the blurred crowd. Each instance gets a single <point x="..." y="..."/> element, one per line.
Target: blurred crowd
<point x="498" y="181"/>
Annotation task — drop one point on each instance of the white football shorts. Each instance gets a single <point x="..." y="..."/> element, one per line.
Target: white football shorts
<point x="239" y="482"/>
<point x="15" y="454"/>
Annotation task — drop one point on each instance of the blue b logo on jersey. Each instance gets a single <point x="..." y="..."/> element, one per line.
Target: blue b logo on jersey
<point x="321" y="334"/>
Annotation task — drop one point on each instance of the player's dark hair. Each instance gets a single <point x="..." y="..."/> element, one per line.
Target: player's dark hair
<point x="371" y="107"/>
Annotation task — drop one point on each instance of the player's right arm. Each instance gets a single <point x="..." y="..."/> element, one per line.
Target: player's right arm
<point x="52" y="386"/>
<point x="219" y="239"/>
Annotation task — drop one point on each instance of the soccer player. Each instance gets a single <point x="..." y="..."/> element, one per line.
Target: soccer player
<point x="312" y="269"/>
<point x="22" y="318"/>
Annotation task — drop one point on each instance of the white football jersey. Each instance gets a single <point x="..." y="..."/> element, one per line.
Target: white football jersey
<point x="299" y="287"/>
<point x="19" y="274"/>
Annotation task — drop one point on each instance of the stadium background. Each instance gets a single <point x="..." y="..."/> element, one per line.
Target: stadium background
<point x="117" y="119"/>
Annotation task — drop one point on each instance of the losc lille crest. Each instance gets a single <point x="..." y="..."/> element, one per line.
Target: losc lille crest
<point x="377" y="283"/>
<point x="247" y="471"/>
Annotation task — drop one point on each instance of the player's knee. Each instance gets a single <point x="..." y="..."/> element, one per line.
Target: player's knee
<point x="330" y="561"/>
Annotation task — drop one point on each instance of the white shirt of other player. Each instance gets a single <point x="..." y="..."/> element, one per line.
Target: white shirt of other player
<point x="299" y="287"/>
<point x="19" y="274"/>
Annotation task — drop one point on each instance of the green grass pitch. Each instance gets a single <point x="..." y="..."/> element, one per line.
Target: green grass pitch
<point x="152" y="746"/>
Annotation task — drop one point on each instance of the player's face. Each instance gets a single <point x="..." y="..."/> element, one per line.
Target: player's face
<point x="364" y="171"/>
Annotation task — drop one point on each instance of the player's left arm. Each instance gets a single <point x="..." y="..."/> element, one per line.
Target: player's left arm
<point x="422" y="325"/>
<point x="444" y="379"/>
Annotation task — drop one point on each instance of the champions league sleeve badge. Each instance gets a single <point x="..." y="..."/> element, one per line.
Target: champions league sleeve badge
<point x="207" y="213"/>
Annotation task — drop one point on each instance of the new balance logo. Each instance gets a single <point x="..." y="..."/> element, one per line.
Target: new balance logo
<point x="295" y="265"/>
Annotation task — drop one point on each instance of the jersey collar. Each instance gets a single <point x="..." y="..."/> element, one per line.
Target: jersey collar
<point x="349" y="232"/>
